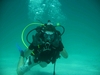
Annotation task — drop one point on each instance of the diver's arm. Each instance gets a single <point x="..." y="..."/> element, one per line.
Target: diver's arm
<point x="64" y="53"/>
<point x="27" y="52"/>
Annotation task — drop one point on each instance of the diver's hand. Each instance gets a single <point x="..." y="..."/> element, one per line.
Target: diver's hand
<point x="64" y="53"/>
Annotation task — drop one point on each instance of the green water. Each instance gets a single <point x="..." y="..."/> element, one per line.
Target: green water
<point x="81" y="19"/>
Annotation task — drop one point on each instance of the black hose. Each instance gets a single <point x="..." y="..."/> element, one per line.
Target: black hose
<point x="63" y="29"/>
<point x="28" y="35"/>
<point x="39" y="21"/>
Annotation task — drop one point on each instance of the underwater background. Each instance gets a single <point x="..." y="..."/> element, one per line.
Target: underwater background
<point x="81" y="19"/>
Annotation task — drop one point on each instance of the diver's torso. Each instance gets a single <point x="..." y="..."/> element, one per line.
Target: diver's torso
<point x="48" y="55"/>
<point x="46" y="51"/>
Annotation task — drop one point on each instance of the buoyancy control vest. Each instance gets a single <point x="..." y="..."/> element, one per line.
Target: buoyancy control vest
<point x="46" y="51"/>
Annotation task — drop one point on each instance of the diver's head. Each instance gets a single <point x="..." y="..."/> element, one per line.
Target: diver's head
<point x="49" y="23"/>
<point x="49" y="33"/>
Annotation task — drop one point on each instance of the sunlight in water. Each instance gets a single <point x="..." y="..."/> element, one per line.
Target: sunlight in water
<point x="38" y="9"/>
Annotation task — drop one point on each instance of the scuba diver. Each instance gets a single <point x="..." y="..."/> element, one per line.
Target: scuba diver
<point x="45" y="48"/>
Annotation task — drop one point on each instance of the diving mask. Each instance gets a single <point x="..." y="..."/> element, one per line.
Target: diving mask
<point x="49" y="36"/>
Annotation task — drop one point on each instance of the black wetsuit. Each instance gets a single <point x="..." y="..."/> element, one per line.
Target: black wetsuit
<point x="48" y="55"/>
